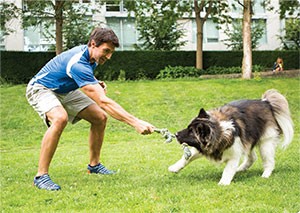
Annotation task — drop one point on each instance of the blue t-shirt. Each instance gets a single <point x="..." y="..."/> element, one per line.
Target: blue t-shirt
<point x="68" y="71"/>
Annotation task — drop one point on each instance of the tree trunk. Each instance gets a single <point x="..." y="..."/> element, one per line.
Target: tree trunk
<point x="58" y="25"/>
<point x="247" y="49"/>
<point x="199" y="52"/>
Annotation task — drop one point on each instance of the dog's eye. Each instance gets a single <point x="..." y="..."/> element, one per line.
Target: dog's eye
<point x="203" y="130"/>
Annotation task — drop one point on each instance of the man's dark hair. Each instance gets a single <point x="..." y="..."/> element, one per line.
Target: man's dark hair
<point x="103" y="35"/>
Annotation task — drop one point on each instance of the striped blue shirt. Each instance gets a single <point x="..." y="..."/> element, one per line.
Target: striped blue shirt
<point x="68" y="71"/>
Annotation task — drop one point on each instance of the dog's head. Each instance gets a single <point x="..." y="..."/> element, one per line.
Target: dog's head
<point x="202" y="133"/>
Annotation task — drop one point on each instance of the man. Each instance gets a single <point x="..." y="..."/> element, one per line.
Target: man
<point x="65" y="89"/>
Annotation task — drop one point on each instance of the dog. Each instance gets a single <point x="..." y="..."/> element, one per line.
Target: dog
<point x="228" y="133"/>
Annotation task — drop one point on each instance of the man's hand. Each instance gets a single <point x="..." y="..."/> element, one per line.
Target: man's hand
<point x="103" y="85"/>
<point x="144" y="127"/>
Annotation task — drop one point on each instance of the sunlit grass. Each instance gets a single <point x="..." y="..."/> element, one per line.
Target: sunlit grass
<point x="143" y="183"/>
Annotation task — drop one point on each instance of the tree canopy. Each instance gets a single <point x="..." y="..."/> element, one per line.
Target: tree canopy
<point x="157" y="23"/>
<point x="73" y="21"/>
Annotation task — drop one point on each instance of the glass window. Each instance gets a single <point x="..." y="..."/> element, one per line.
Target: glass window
<point x="263" y="24"/>
<point x="125" y="30"/>
<point x="210" y="32"/>
<point x="114" y="6"/>
<point x="235" y="7"/>
<point x="2" y="38"/>
<point x="258" y="7"/>
<point x="35" y="39"/>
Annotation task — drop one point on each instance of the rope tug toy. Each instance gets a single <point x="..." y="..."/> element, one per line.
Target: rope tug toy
<point x="169" y="136"/>
<point x="166" y="134"/>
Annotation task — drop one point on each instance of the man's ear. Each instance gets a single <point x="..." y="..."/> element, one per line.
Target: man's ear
<point x="93" y="43"/>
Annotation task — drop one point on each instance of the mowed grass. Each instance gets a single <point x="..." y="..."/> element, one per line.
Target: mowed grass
<point x="143" y="183"/>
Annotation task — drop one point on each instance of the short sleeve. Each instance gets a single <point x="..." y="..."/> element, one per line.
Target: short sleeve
<point x="82" y="74"/>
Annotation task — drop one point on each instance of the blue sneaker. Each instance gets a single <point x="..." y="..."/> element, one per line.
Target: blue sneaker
<point x="45" y="182"/>
<point x="99" y="169"/>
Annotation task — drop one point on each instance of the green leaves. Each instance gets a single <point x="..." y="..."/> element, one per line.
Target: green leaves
<point x="157" y="24"/>
<point x="235" y="36"/>
<point x="77" y="23"/>
<point x="291" y="39"/>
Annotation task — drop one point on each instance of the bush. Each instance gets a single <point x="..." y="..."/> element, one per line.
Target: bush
<point x="178" y="72"/>
<point x="215" y="70"/>
<point x="184" y="72"/>
<point x="20" y="67"/>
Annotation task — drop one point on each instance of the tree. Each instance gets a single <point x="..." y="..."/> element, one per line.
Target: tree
<point x="290" y="7"/>
<point x="217" y="11"/>
<point x="290" y="11"/>
<point x="247" y="48"/>
<point x="235" y="38"/>
<point x="8" y="12"/>
<point x="157" y="23"/>
<point x="291" y="39"/>
<point x="57" y="12"/>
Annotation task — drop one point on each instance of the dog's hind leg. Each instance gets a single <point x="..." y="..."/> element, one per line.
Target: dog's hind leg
<point x="267" y="152"/>
<point x="248" y="161"/>
<point x="184" y="162"/>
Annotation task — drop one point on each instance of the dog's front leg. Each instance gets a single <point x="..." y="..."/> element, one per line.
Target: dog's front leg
<point x="183" y="161"/>
<point x="229" y="171"/>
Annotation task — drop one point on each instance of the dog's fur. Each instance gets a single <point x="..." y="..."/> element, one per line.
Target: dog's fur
<point x="227" y="133"/>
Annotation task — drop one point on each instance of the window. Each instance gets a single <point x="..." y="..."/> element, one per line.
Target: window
<point x="2" y="38"/>
<point x="125" y="30"/>
<point x="262" y="23"/>
<point x="257" y="7"/>
<point x="210" y="32"/>
<point x="113" y="6"/>
<point x="35" y="39"/>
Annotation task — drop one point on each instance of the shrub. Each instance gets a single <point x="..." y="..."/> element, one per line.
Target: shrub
<point x="215" y="70"/>
<point x="178" y="72"/>
<point x="184" y="72"/>
<point x="19" y="67"/>
<point x="122" y="75"/>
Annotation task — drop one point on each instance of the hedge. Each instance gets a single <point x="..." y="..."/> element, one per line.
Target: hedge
<point x="19" y="67"/>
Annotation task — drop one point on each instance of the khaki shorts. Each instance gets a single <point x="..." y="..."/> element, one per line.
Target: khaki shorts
<point x="43" y="100"/>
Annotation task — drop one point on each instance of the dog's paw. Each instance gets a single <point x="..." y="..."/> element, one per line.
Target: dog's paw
<point x="174" y="168"/>
<point x="241" y="169"/>
<point x="266" y="174"/>
<point x="224" y="182"/>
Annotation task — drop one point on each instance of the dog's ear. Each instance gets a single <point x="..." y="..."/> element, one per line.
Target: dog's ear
<point x="203" y="114"/>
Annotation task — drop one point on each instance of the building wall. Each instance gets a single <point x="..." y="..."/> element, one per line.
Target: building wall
<point x="125" y="29"/>
<point x="15" y="41"/>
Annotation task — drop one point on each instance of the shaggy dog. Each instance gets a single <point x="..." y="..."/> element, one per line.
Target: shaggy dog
<point x="227" y="133"/>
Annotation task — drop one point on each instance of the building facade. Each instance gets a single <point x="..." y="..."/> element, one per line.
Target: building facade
<point x="116" y="17"/>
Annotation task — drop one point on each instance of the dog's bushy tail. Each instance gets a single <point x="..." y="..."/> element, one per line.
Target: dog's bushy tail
<point x="281" y="111"/>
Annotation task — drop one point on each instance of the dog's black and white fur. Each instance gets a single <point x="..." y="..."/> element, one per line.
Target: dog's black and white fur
<point x="227" y="133"/>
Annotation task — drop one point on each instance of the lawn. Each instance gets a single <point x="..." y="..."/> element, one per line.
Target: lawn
<point x="143" y="183"/>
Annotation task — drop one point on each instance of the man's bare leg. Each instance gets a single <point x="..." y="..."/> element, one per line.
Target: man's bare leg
<point x="58" y="118"/>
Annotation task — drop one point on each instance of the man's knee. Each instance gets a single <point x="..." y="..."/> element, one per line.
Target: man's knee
<point x="101" y="117"/>
<point x="58" y="116"/>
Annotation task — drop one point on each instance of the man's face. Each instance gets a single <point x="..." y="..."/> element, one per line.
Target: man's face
<point x="102" y="53"/>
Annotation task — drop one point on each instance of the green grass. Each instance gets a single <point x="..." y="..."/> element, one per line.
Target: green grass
<point x="143" y="183"/>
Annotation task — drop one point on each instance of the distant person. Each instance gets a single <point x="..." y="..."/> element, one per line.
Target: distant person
<point x="278" y="65"/>
<point x="65" y="89"/>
